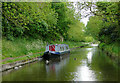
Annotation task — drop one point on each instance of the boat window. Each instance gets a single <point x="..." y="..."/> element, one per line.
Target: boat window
<point x="60" y="49"/>
<point x="63" y="48"/>
<point x="66" y="48"/>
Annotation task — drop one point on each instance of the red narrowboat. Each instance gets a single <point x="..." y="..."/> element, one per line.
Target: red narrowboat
<point x="54" y="51"/>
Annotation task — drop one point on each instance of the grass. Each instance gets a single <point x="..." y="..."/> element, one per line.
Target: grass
<point x="21" y="47"/>
<point x="23" y="58"/>
<point x="112" y="48"/>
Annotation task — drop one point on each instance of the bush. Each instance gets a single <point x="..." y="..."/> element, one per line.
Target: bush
<point x="101" y="45"/>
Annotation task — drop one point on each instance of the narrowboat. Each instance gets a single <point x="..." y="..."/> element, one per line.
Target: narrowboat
<point x="54" y="51"/>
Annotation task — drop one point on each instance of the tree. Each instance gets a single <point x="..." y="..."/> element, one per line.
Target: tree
<point x="104" y="25"/>
<point x="94" y="26"/>
<point x="31" y="19"/>
<point x="64" y="14"/>
<point x="76" y="32"/>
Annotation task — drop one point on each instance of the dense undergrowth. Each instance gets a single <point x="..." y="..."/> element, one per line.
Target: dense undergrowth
<point x="113" y="49"/>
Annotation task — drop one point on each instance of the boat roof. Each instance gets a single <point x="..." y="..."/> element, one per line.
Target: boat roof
<point x="56" y="44"/>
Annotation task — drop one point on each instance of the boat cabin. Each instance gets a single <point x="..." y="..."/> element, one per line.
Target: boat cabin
<point x="57" y="48"/>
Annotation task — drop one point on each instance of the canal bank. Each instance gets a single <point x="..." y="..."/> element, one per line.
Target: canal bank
<point x="112" y="51"/>
<point x="83" y="64"/>
<point x="17" y="64"/>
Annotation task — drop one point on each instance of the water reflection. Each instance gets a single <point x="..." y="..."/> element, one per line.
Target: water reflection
<point x="56" y="66"/>
<point x="84" y="74"/>
<point x="89" y="56"/>
<point x="83" y="71"/>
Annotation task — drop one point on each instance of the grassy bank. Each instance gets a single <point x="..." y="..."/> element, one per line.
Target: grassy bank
<point x="20" y="48"/>
<point x="112" y="49"/>
<point x="27" y="49"/>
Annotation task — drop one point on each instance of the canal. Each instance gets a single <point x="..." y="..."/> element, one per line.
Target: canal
<point x="83" y="64"/>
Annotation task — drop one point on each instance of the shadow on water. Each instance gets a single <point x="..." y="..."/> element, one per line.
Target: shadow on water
<point x="83" y="64"/>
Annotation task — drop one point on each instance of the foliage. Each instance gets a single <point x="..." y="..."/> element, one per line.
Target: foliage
<point x="89" y="39"/>
<point x="35" y="19"/>
<point x="111" y="48"/>
<point x="110" y="30"/>
<point x="65" y="17"/>
<point x="94" y="26"/>
<point x="76" y="32"/>
<point x="105" y="27"/>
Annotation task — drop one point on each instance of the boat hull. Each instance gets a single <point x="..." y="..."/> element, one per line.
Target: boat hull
<point x="47" y="55"/>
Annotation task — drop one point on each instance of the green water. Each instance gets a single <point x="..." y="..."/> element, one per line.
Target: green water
<point x="83" y="64"/>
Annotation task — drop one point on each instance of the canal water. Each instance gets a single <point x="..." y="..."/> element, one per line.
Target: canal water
<point x="83" y="64"/>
